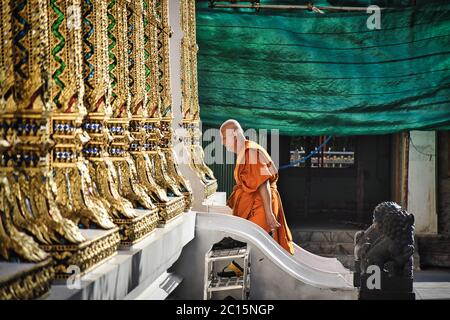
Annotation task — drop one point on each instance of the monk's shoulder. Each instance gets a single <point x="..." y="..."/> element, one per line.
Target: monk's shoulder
<point x="255" y="153"/>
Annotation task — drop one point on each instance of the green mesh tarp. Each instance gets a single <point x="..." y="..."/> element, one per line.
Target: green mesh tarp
<point x="305" y="73"/>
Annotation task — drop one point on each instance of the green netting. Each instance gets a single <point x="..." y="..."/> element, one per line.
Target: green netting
<point x="310" y="74"/>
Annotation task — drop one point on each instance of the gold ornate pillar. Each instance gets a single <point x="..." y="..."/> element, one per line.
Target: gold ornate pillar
<point x="12" y="241"/>
<point x="32" y="280"/>
<point x="97" y="102"/>
<point x="190" y="103"/>
<point x="167" y="159"/>
<point x="26" y="189"/>
<point x="27" y="129"/>
<point x="150" y="160"/>
<point x="107" y="100"/>
<point x="139" y="32"/>
<point x="120" y="65"/>
<point x="130" y="69"/>
<point x="75" y="196"/>
<point x="144" y="110"/>
<point x="75" y="193"/>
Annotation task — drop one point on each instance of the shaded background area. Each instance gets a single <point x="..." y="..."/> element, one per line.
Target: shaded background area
<point x="309" y="76"/>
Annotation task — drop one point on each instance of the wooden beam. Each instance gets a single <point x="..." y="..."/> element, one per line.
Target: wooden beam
<point x="307" y="185"/>
<point x="359" y="180"/>
<point x="405" y="170"/>
<point x="400" y="165"/>
<point x="258" y="6"/>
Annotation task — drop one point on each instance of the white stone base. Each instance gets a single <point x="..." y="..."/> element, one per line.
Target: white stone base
<point x="217" y="203"/>
<point x="160" y="289"/>
<point x="141" y="266"/>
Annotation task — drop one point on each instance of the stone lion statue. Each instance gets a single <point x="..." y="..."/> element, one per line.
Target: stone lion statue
<point x="388" y="243"/>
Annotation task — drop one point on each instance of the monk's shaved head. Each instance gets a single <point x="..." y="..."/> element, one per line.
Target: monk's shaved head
<point x="232" y="135"/>
<point x="231" y="124"/>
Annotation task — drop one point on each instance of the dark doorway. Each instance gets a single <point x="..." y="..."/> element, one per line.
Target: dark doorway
<point x="339" y="186"/>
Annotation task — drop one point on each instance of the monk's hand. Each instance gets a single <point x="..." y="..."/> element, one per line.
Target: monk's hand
<point x="272" y="221"/>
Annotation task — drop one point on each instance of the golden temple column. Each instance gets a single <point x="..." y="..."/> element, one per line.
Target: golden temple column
<point x="43" y="97"/>
<point x="75" y="196"/>
<point x="12" y="241"/>
<point x="148" y="157"/>
<point x="199" y="162"/>
<point x="123" y="63"/>
<point x="75" y="193"/>
<point x="105" y="73"/>
<point x="139" y="56"/>
<point x="28" y="130"/>
<point x="165" y="160"/>
<point x="97" y="101"/>
<point x="145" y="107"/>
<point x="17" y="249"/>
<point x="190" y="103"/>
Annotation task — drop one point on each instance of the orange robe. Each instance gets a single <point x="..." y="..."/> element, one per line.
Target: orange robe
<point x="254" y="167"/>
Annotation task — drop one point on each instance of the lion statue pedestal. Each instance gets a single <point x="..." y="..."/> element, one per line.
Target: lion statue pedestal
<point x="384" y="255"/>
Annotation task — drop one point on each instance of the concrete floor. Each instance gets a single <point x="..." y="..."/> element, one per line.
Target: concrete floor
<point x="432" y="284"/>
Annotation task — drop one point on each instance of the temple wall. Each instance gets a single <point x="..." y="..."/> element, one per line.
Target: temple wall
<point x="434" y="248"/>
<point x="422" y="181"/>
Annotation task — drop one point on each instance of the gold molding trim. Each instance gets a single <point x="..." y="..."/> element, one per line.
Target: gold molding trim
<point x="86" y="255"/>
<point x="134" y="230"/>
<point x="171" y="209"/>
<point x="30" y="284"/>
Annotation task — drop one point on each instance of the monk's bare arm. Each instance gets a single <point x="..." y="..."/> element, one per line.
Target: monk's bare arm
<point x="266" y="196"/>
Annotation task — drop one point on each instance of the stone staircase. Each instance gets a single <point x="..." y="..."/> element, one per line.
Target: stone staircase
<point x="327" y="242"/>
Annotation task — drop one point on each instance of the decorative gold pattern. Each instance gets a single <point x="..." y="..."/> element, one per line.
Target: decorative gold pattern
<point x="7" y="104"/>
<point x="149" y="159"/>
<point x="107" y="185"/>
<point x="126" y="70"/>
<point x="164" y="33"/>
<point x="75" y="194"/>
<point x="190" y="104"/>
<point x="85" y="104"/>
<point x="169" y="176"/>
<point x="133" y="230"/>
<point x="171" y="209"/>
<point x="11" y="239"/>
<point x="118" y="58"/>
<point x="129" y="184"/>
<point x="86" y="255"/>
<point x="97" y="100"/>
<point x="27" y="130"/>
<point x="30" y="284"/>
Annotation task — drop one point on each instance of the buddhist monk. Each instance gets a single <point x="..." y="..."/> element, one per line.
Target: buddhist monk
<point x="255" y="196"/>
